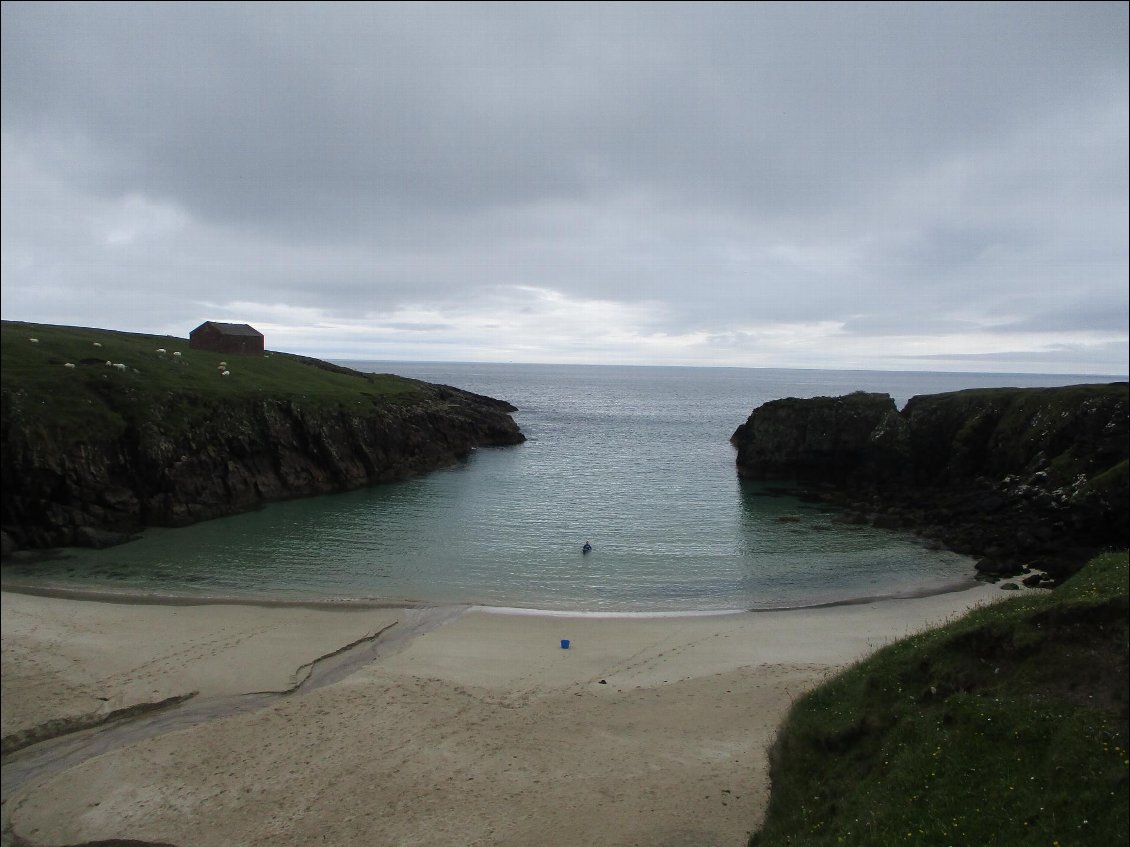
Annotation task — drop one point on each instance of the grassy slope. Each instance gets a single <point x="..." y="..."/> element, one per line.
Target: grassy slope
<point x="1008" y="726"/>
<point x="92" y="400"/>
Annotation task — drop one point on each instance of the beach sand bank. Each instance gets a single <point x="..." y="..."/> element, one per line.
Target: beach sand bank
<point x="471" y="727"/>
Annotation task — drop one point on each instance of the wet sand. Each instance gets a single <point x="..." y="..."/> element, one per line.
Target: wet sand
<point x="476" y="728"/>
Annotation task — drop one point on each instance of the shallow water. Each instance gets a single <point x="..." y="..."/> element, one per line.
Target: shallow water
<point x="635" y="460"/>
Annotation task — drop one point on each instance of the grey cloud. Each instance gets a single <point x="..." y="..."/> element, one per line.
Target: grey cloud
<point x="1099" y="311"/>
<point x="887" y="166"/>
<point x="1064" y="358"/>
<point x="292" y="111"/>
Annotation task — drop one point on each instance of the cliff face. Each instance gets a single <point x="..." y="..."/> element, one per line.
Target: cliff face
<point x="236" y="455"/>
<point x="822" y="438"/>
<point x="1018" y="476"/>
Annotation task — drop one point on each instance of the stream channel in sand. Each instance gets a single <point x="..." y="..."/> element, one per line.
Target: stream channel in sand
<point x="54" y="755"/>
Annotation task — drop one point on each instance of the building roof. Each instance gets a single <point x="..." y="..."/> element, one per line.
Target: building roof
<point x="231" y="329"/>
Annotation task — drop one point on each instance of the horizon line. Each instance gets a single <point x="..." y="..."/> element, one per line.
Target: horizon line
<point x="340" y="359"/>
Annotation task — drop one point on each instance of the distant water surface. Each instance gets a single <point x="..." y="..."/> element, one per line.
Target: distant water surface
<point x="635" y="460"/>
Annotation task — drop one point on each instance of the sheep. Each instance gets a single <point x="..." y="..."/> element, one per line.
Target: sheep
<point x="225" y="373"/>
<point x="160" y="351"/>
<point x="109" y="364"/>
<point x="34" y="340"/>
<point x="223" y="364"/>
<point x="68" y="364"/>
<point x="176" y="354"/>
<point x="97" y="343"/>
<point x="119" y="366"/>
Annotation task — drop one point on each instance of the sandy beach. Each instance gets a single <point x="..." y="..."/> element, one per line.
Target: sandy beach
<point x="459" y="726"/>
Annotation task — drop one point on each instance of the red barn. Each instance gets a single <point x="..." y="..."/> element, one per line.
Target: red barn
<point x="227" y="338"/>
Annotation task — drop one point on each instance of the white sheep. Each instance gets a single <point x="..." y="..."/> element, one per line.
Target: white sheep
<point x="97" y="343"/>
<point x="225" y="373"/>
<point x="109" y="364"/>
<point x="223" y="364"/>
<point x="68" y="365"/>
<point x="119" y="366"/>
<point x="176" y="354"/>
<point x="160" y="351"/>
<point x="34" y="340"/>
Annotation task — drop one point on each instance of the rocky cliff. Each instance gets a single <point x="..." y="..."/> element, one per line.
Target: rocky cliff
<point x="93" y="453"/>
<point x="1020" y="477"/>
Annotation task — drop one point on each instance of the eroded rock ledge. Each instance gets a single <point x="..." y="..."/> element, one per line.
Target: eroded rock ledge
<point x="1020" y="477"/>
<point x="237" y="455"/>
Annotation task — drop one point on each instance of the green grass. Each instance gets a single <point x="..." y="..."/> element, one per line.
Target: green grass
<point x="1006" y="727"/>
<point x="93" y="401"/>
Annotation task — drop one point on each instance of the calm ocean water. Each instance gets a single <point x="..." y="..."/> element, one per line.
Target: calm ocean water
<point x="635" y="460"/>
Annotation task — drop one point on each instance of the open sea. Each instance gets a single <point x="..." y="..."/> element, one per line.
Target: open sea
<point x="634" y="460"/>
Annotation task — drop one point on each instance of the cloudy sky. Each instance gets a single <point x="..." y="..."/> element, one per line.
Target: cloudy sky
<point x="897" y="186"/>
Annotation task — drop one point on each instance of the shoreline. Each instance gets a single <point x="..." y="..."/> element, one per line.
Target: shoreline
<point x="139" y="597"/>
<point x="471" y="726"/>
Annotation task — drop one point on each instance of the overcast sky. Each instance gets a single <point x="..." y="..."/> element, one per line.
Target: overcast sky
<point x="893" y="186"/>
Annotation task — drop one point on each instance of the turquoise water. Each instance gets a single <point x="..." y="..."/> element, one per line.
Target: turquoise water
<point x="635" y="460"/>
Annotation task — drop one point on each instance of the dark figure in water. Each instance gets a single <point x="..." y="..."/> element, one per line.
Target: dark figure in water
<point x="586" y="548"/>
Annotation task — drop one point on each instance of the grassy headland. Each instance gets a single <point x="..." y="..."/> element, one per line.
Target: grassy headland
<point x="105" y="433"/>
<point x="94" y="399"/>
<point x="1005" y="727"/>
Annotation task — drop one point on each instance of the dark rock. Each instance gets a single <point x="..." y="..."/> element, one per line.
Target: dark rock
<point x="1039" y="580"/>
<point x="1010" y="586"/>
<point x="825" y="438"/>
<point x="1007" y="474"/>
<point x="997" y="567"/>
<point x="238" y="456"/>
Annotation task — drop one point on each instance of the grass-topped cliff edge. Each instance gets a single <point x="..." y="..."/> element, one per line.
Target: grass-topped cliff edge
<point x="1005" y="727"/>
<point x="95" y="399"/>
<point x="104" y="433"/>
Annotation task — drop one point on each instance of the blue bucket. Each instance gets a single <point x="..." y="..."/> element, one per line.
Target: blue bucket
<point x="564" y="643"/>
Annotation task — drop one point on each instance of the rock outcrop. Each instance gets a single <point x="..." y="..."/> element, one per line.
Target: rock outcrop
<point x="826" y="439"/>
<point x="237" y="455"/>
<point x="1020" y="477"/>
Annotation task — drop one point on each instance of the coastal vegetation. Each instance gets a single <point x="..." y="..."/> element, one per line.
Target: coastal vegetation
<point x="1007" y="726"/>
<point x="94" y="399"/>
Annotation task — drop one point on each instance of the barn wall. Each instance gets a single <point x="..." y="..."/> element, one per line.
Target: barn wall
<point x="217" y="342"/>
